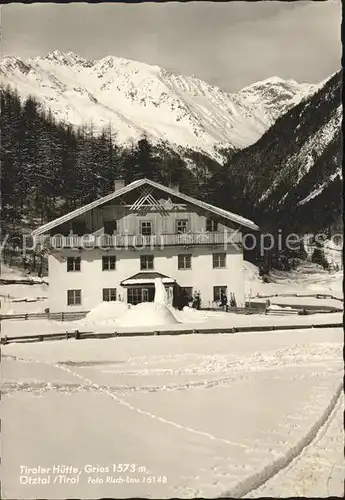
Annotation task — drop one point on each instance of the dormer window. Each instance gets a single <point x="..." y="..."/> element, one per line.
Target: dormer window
<point x="182" y="226"/>
<point x="211" y="224"/>
<point x="146" y="228"/>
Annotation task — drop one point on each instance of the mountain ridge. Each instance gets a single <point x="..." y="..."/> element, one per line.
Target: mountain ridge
<point x="138" y="99"/>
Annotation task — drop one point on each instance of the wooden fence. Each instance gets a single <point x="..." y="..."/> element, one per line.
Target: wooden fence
<point x="77" y="335"/>
<point x="23" y="281"/>
<point x="301" y="295"/>
<point x="59" y="316"/>
<point x="260" y="308"/>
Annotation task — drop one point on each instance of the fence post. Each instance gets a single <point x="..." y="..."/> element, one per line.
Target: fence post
<point x="268" y="303"/>
<point x="26" y="316"/>
<point x="62" y="317"/>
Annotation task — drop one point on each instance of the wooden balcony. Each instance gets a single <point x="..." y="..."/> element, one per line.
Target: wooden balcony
<point x="139" y="241"/>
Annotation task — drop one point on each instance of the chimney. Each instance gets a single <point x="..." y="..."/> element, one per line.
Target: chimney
<point x="119" y="184"/>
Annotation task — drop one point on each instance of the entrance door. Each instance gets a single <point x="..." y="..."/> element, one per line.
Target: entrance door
<point x="144" y="295"/>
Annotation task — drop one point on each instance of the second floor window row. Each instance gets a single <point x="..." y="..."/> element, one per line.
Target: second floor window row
<point x="184" y="261"/>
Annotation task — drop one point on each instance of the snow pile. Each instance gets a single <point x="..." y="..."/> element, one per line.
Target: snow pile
<point x="107" y="310"/>
<point x="250" y="271"/>
<point x="252" y="280"/>
<point x="334" y="252"/>
<point x="275" y="306"/>
<point x="147" y="314"/>
<point x="189" y="315"/>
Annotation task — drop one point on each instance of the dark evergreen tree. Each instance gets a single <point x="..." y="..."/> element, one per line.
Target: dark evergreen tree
<point x="318" y="256"/>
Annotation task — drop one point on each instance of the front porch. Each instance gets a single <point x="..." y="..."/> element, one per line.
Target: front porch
<point x="141" y="287"/>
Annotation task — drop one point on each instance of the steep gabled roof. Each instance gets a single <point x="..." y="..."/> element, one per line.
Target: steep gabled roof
<point x="237" y="219"/>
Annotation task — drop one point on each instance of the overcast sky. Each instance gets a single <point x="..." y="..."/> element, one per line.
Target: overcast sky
<point x="227" y="44"/>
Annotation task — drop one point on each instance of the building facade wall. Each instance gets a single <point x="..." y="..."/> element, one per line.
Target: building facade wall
<point x="91" y="280"/>
<point x="128" y="222"/>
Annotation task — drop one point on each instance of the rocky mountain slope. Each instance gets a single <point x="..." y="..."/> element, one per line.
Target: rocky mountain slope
<point x="292" y="176"/>
<point x="136" y="99"/>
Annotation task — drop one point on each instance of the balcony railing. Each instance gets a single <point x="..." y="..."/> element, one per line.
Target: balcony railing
<point x="141" y="241"/>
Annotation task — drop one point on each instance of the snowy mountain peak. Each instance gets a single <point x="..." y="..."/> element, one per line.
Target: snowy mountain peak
<point x="12" y="63"/>
<point x="64" y="58"/>
<point x="137" y="98"/>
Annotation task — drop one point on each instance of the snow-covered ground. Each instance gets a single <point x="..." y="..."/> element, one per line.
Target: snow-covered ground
<point x="22" y="298"/>
<point x="204" y="415"/>
<point x="9" y="273"/>
<point x="318" y="469"/>
<point x="307" y="279"/>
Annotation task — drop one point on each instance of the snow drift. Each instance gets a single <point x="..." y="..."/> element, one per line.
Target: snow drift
<point x="107" y="310"/>
<point x="147" y="314"/>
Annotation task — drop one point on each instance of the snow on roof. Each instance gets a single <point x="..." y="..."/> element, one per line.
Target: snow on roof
<point x="144" y="278"/>
<point x="237" y="219"/>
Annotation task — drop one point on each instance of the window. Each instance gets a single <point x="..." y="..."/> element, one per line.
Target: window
<point x="110" y="226"/>
<point x="181" y="226"/>
<point x="219" y="260"/>
<point x="217" y="291"/>
<point x="146" y="262"/>
<point x="73" y="297"/>
<point x="184" y="261"/>
<point x="135" y="295"/>
<point x="73" y="264"/>
<point x="146" y="228"/>
<point x="211" y="224"/>
<point x="109" y="294"/>
<point x="108" y="262"/>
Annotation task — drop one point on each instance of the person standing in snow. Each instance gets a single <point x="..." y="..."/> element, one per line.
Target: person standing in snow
<point x="233" y="300"/>
<point x="223" y="300"/>
<point x="196" y="300"/>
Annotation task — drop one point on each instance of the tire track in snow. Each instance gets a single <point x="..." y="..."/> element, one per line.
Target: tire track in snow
<point x="297" y="471"/>
<point x="253" y="482"/>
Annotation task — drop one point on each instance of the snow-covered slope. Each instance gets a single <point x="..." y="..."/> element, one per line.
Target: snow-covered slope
<point x="271" y="98"/>
<point x="138" y="99"/>
<point x="299" y="161"/>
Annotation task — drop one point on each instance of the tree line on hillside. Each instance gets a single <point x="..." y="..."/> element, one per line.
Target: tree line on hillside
<point x="50" y="168"/>
<point x="263" y="179"/>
